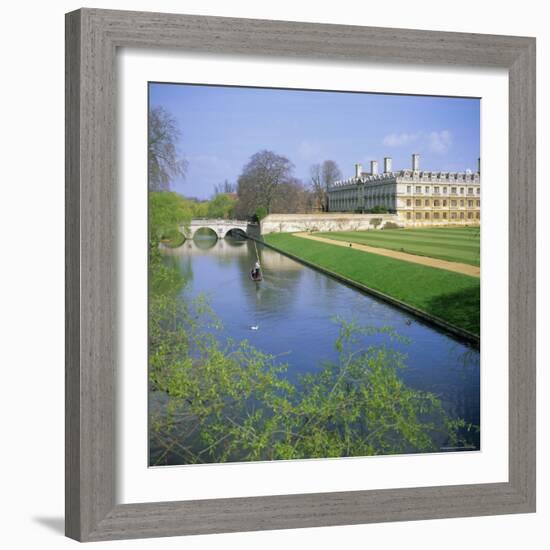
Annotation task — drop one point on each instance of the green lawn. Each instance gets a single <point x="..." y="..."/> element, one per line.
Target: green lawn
<point x="455" y="244"/>
<point x="450" y="296"/>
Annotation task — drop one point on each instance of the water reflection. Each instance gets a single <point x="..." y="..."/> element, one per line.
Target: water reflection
<point x="202" y="243"/>
<point x="294" y="309"/>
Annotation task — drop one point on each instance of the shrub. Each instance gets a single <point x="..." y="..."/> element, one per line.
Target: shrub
<point x="167" y="211"/>
<point x="173" y="239"/>
<point x="378" y="210"/>
<point x="375" y="222"/>
<point x="390" y="225"/>
<point x="261" y="213"/>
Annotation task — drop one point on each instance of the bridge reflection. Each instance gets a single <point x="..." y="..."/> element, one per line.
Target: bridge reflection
<point x="230" y="248"/>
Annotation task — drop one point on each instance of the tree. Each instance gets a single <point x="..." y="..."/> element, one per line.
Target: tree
<point x="260" y="213"/>
<point x="221" y="206"/>
<point x="292" y="197"/>
<point x="322" y="177"/>
<point x="164" y="162"/>
<point x="224" y="188"/>
<point x="378" y="209"/>
<point x="261" y="180"/>
<point x="167" y="212"/>
<point x="316" y="186"/>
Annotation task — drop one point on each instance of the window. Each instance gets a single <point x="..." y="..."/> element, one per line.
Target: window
<point x="408" y="202"/>
<point x="427" y="215"/>
<point x="436" y="215"/>
<point x="436" y="202"/>
<point x="477" y="215"/>
<point x="444" y="190"/>
<point x="470" y="215"/>
<point x="426" y="202"/>
<point x="444" y="215"/>
<point x="462" y="190"/>
<point x="426" y="189"/>
<point x="462" y="215"/>
<point x="408" y="215"/>
<point x="418" y="189"/>
<point x="453" y="215"/>
<point x="408" y="188"/>
<point x="477" y="203"/>
<point x="418" y="215"/>
<point x="453" y="190"/>
<point x="436" y="190"/>
<point x="418" y="202"/>
<point x="453" y="203"/>
<point x="470" y="204"/>
<point x="444" y="203"/>
<point x="477" y="191"/>
<point x="462" y="202"/>
<point x="470" y="190"/>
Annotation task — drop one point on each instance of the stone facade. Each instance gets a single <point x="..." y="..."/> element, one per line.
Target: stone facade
<point x="417" y="197"/>
<point x="293" y="223"/>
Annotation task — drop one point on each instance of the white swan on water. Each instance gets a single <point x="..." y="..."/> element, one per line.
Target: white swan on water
<point x="254" y="327"/>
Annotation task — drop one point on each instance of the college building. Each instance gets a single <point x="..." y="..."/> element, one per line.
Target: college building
<point x="418" y="197"/>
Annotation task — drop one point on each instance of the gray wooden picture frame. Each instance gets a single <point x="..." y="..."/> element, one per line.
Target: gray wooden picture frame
<point x="92" y="39"/>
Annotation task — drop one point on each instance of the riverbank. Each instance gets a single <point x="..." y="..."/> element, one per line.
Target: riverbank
<point x="447" y="299"/>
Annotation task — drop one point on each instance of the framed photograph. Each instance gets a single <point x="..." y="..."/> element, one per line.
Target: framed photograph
<point x="300" y="275"/>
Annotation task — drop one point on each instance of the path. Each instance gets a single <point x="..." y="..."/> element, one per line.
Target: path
<point x="465" y="269"/>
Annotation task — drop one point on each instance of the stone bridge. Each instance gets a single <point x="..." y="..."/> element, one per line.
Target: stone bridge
<point x="219" y="226"/>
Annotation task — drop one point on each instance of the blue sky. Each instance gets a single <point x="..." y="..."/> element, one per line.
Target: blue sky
<point x="222" y="127"/>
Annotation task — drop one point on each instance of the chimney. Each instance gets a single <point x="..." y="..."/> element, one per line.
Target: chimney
<point x="358" y="170"/>
<point x="416" y="162"/>
<point x="387" y="165"/>
<point x="374" y="167"/>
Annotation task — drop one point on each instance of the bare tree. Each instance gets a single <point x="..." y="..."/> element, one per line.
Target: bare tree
<point x="224" y="188"/>
<point x="322" y="177"/>
<point x="316" y="185"/>
<point x="292" y="198"/>
<point x="163" y="159"/>
<point x="261" y="180"/>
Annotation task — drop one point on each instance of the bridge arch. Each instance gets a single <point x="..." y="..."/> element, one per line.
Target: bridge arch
<point x="204" y="231"/>
<point x="236" y="232"/>
<point x="220" y="227"/>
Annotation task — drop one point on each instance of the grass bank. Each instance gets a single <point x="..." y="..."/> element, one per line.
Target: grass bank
<point x="451" y="297"/>
<point x="454" y="244"/>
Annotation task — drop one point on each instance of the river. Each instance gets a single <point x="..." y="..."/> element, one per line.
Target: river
<point x="294" y="308"/>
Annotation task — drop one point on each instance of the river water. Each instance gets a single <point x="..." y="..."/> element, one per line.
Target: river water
<point x="294" y="308"/>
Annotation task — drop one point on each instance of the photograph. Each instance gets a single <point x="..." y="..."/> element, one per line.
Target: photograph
<point x="314" y="274"/>
<point x="256" y="295"/>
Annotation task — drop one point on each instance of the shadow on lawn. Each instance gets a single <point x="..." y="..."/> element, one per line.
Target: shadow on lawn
<point x="460" y="308"/>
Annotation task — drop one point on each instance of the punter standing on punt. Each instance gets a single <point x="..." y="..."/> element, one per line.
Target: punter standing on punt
<point x="256" y="271"/>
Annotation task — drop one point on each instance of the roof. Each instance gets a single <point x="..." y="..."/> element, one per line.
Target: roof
<point x="421" y="176"/>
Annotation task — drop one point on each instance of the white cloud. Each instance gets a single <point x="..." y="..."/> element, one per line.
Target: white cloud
<point x="398" y="140"/>
<point x="439" y="142"/>
<point x="435" y="141"/>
